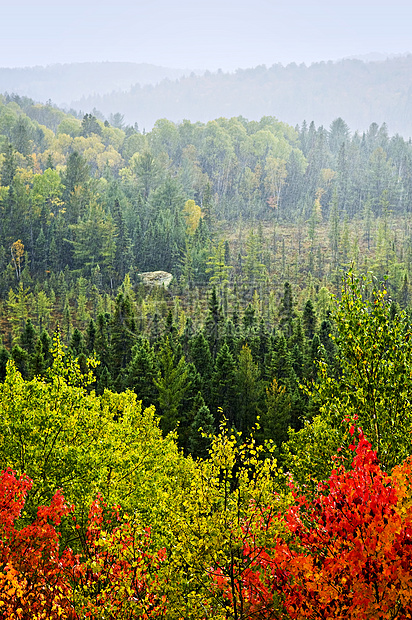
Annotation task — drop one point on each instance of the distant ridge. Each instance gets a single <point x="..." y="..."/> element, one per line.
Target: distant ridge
<point x="360" y="92"/>
<point x="375" y="57"/>
<point x="63" y="83"/>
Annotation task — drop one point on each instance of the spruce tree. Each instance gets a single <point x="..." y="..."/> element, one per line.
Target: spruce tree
<point x="213" y="324"/>
<point x="172" y="383"/>
<point x="202" y="426"/>
<point x="286" y="311"/>
<point x="309" y="320"/>
<point x="141" y="372"/>
<point x="249" y="389"/>
<point x="202" y="359"/>
<point x="224" y="396"/>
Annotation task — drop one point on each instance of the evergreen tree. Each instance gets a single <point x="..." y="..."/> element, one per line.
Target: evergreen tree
<point x="286" y="311"/>
<point x="104" y="380"/>
<point x="21" y="359"/>
<point x="9" y="166"/>
<point x="249" y="389"/>
<point x="328" y="344"/>
<point x="224" y="396"/>
<point x="28" y="337"/>
<point x="37" y="364"/>
<point x="213" y="324"/>
<point x="75" y="180"/>
<point x="309" y="320"/>
<point x="201" y="427"/>
<point x="102" y="338"/>
<point x="123" y="260"/>
<point x="77" y="345"/>
<point x="275" y="418"/>
<point x="141" y="372"/>
<point x="172" y="383"/>
<point x="4" y="358"/>
<point x="202" y="359"/>
<point x="90" y="125"/>
<point x="334" y="229"/>
<point x="122" y="334"/>
<point x="91" y="336"/>
<point x="46" y="348"/>
<point x="41" y="253"/>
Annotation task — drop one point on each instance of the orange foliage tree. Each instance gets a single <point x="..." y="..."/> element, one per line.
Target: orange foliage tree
<point x="33" y="574"/>
<point x="115" y="576"/>
<point x="118" y="578"/>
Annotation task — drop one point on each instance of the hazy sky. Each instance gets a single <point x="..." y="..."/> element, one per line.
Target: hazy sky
<point x="200" y="34"/>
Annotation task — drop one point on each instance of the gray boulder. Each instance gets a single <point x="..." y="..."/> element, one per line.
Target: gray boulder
<point x="156" y="278"/>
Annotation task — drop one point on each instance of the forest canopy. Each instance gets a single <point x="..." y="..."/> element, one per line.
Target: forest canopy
<point x="235" y="444"/>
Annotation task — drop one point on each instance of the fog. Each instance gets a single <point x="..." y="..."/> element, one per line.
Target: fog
<point x="201" y="35"/>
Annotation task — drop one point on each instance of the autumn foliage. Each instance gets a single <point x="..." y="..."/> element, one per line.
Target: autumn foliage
<point x="346" y="553"/>
<point x="33" y="573"/>
<point x="115" y="576"/>
<point x="118" y="579"/>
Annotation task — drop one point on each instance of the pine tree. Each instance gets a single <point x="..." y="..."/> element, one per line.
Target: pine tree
<point x="29" y="337"/>
<point x="123" y="260"/>
<point x="46" y="348"/>
<point x="91" y="337"/>
<point x="41" y="252"/>
<point x="280" y="365"/>
<point x="21" y="359"/>
<point x="4" y="358"/>
<point x="37" y="364"/>
<point x="77" y="345"/>
<point x="104" y="380"/>
<point x="102" y="338"/>
<point x="123" y="334"/>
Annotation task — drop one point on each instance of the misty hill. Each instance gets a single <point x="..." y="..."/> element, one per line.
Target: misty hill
<point x="64" y="82"/>
<point x="360" y="92"/>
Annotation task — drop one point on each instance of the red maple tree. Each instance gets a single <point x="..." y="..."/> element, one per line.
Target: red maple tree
<point x="344" y="554"/>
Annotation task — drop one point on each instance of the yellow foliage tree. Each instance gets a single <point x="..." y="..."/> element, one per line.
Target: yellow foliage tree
<point x="17" y="255"/>
<point x="193" y="214"/>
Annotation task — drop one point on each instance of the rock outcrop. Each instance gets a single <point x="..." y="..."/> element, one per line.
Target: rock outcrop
<point x="156" y="278"/>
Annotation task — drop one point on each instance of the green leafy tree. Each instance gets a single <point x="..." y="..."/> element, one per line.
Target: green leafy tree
<point x="372" y="384"/>
<point x="68" y="438"/>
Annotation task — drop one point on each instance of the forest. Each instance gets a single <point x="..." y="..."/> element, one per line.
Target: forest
<point x="360" y="92"/>
<point x="321" y="91"/>
<point x="234" y="445"/>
